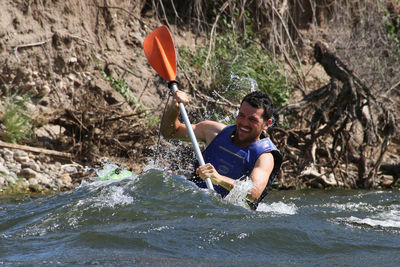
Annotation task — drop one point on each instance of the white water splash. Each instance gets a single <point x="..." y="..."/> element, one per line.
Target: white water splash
<point x="387" y="223"/>
<point x="151" y="164"/>
<point x="162" y="228"/>
<point x="351" y="206"/>
<point x="239" y="192"/>
<point x="237" y="82"/>
<point x="111" y="197"/>
<point x="238" y="196"/>
<point x="108" y="197"/>
<point x="278" y="208"/>
<point x="386" y="219"/>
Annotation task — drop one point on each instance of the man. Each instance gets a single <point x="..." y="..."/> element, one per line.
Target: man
<point x="233" y="152"/>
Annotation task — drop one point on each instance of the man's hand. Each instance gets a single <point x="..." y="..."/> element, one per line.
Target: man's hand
<point x="180" y="97"/>
<point x="208" y="171"/>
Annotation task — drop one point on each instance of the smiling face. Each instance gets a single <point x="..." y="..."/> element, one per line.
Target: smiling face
<point x="250" y="125"/>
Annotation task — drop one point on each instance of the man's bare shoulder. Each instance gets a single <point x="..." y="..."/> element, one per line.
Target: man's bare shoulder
<point x="208" y="130"/>
<point x="266" y="160"/>
<point x="212" y="124"/>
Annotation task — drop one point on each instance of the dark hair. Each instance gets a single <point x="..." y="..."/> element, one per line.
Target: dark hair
<point x="259" y="99"/>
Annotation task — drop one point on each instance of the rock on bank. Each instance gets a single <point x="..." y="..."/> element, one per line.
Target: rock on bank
<point x="23" y="172"/>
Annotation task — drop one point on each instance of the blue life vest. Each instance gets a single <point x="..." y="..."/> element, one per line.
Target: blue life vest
<point x="235" y="162"/>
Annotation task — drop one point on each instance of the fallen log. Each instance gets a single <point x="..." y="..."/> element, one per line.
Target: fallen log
<point x="391" y="169"/>
<point x="36" y="150"/>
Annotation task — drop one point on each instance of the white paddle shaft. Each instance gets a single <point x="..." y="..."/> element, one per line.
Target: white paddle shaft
<point x="189" y="128"/>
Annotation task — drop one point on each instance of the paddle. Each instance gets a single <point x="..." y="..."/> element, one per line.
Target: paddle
<point x="160" y="52"/>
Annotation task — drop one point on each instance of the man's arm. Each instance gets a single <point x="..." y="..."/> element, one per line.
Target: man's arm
<point x="172" y="128"/>
<point x="260" y="175"/>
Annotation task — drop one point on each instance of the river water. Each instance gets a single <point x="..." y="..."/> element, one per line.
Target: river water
<point x="160" y="219"/>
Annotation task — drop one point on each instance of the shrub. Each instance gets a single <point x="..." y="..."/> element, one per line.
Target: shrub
<point x="16" y="119"/>
<point x="123" y="88"/>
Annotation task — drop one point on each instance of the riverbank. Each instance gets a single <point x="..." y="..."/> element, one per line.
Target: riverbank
<point x="29" y="173"/>
<point x="22" y="172"/>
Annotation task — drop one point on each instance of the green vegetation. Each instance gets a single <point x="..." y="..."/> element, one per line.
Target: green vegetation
<point x="16" y="120"/>
<point x="233" y="67"/>
<point x="250" y="68"/>
<point x="392" y="27"/>
<point x="123" y="88"/>
<point x="14" y="189"/>
<point x="152" y="120"/>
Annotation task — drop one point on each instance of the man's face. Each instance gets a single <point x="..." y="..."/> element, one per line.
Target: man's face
<point x="250" y="124"/>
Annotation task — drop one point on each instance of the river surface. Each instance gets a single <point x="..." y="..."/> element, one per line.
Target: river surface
<point x="160" y="219"/>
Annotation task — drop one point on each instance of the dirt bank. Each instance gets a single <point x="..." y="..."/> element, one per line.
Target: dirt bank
<point x="75" y="59"/>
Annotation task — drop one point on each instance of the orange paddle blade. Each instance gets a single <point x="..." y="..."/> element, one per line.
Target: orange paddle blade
<point x="160" y="52"/>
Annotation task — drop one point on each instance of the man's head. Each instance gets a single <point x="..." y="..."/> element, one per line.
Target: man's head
<point x="259" y="99"/>
<point x="254" y="117"/>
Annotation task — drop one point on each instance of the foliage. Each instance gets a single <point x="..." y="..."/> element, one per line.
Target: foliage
<point x="152" y="120"/>
<point x="123" y="88"/>
<point x="16" y="119"/>
<point x="236" y="68"/>
<point x="251" y="68"/>
<point x="392" y="28"/>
